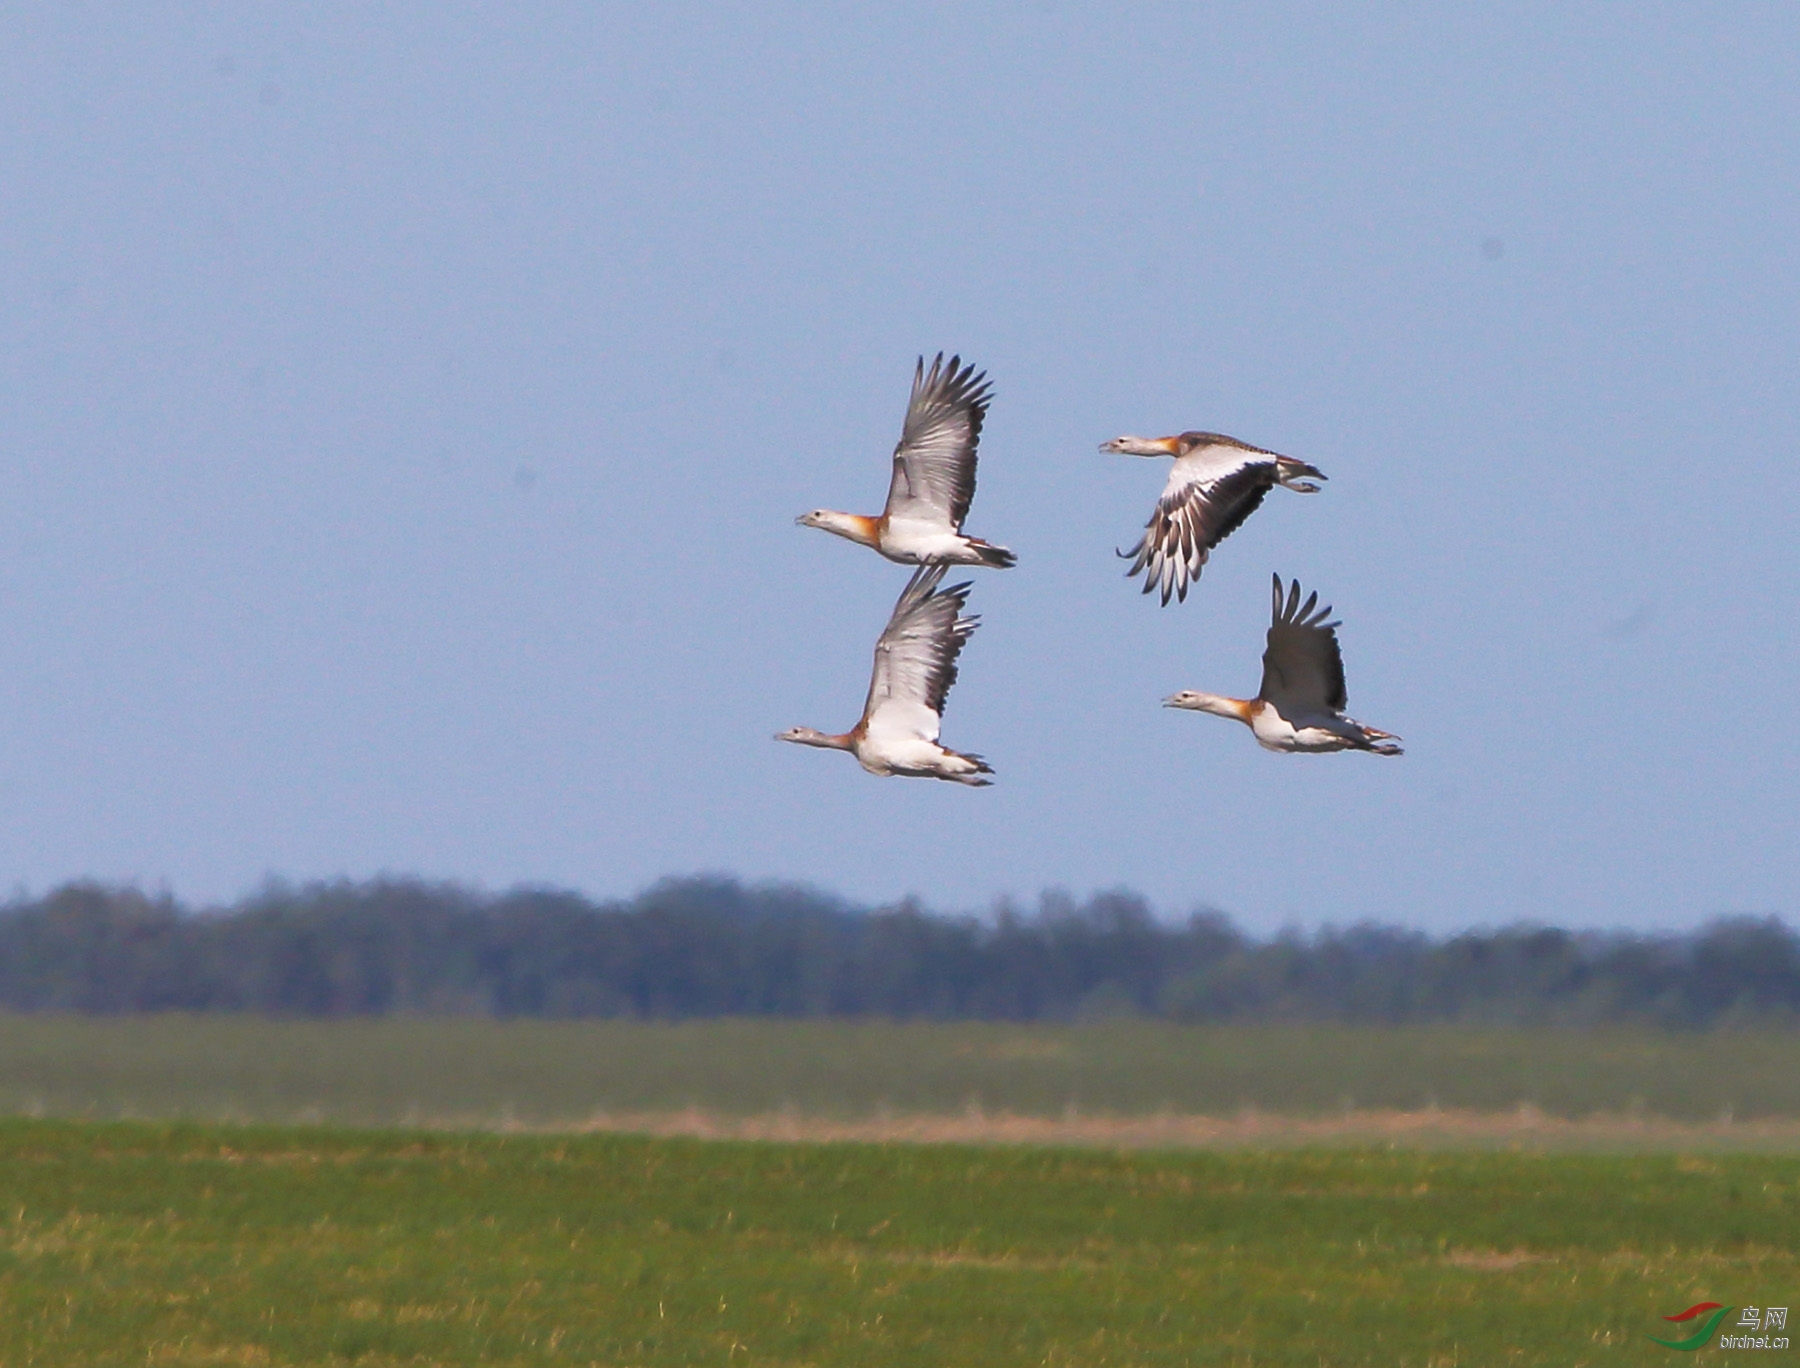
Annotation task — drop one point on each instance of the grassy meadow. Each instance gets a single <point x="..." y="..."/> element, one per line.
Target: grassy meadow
<point x="400" y="1192"/>
<point x="479" y="1072"/>
<point x="150" y="1243"/>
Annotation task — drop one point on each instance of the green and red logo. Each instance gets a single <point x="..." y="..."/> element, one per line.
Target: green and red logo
<point x="1750" y="1332"/>
<point x="1704" y="1333"/>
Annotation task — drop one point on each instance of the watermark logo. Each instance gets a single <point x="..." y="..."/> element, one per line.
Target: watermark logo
<point x="1772" y="1318"/>
<point x="1704" y="1333"/>
<point x="1750" y="1332"/>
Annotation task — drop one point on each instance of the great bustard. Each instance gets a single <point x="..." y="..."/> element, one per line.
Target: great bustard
<point x="934" y="476"/>
<point x="915" y="665"/>
<point x="1300" y="706"/>
<point x="1215" y="484"/>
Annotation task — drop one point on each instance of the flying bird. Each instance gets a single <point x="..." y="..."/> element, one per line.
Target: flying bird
<point x="934" y="476"/>
<point x="1216" y="483"/>
<point x="915" y="665"/>
<point x="1300" y="706"/>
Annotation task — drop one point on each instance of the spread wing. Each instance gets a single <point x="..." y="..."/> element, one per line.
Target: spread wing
<point x="1303" y="670"/>
<point x="915" y="659"/>
<point x="934" y="465"/>
<point x="1210" y="492"/>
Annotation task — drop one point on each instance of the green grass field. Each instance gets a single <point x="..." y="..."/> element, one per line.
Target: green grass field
<point x="480" y="1072"/>
<point x="141" y="1243"/>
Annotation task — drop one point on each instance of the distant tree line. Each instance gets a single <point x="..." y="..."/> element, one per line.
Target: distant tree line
<point x="714" y="947"/>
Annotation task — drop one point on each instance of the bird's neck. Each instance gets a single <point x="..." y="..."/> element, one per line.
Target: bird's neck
<point x="809" y="737"/>
<point x="1219" y="706"/>
<point x="1147" y="446"/>
<point x="865" y="531"/>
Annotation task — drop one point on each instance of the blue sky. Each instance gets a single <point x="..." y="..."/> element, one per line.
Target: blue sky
<point x="403" y="416"/>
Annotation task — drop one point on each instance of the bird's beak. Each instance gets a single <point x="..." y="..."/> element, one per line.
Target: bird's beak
<point x="1172" y="701"/>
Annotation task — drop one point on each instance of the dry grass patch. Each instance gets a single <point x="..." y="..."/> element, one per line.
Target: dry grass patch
<point x="1526" y="1128"/>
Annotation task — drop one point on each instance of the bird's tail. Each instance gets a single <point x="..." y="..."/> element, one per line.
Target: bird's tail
<point x="972" y="776"/>
<point x="1382" y="743"/>
<point x="1289" y="474"/>
<point x="994" y="557"/>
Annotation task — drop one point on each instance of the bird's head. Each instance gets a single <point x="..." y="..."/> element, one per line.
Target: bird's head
<point x="819" y="517"/>
<point x="1142" y="446"/>
<point x="806" y="736"/>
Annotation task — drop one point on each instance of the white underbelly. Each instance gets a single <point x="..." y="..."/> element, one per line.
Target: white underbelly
<point x="1278" y="734"/>
<point x="921" y="541"/>
<point x="899" y="755"/>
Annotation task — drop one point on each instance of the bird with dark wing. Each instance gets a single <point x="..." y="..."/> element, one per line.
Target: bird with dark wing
<point x="1215" y="484"/>
<point x="1300" y="707"/>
